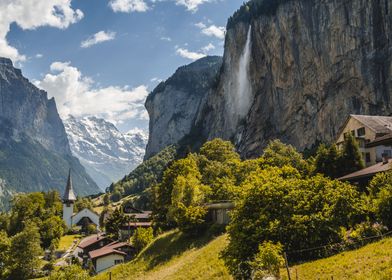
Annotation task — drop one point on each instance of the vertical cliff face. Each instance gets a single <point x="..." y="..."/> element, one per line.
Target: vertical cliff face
<point x="311" y="64"/>
<point x="34" y="149"/>
<point x="174" y="104"/>
<point x="28" y="111"/>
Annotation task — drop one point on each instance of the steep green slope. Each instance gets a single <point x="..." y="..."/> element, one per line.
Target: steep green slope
<point x="174" y="256"/>
<point x="373" y="261"/>
<point x="143" y="177"/>
<point x="26" y="166"/>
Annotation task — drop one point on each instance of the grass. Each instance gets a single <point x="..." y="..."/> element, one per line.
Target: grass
<point x="176" y="257"/>
<point x="373" y="261"/>
<point x="66" y="241"/>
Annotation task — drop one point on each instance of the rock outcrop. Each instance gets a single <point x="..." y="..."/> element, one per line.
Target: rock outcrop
<point x="311" y="64"/>
<point x="174" y="104"/>
<point x="34" y="149"/>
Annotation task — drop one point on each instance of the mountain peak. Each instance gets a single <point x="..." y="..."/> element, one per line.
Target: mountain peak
<point x="6" y="61"/>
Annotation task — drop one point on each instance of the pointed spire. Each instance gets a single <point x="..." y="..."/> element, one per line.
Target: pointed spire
<point x="69" y="195"/>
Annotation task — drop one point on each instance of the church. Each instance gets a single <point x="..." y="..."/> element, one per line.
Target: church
<point x="76" y="219"/>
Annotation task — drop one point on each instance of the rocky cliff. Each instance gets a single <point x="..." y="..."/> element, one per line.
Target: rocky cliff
<point x="175" y="103"/>
<point x="34" y="149"/>
<point x="309" y="65"/>
<point x="106" y="153"/>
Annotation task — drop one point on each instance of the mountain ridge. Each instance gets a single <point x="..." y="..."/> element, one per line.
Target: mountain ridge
<point x="34" y="151"/>
<point x="105" y="152"/>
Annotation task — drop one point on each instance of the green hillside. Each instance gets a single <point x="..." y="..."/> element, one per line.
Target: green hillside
<point x="39" y="169"/>
<point x="174" y="256"/>
<point x="373" y="261"/>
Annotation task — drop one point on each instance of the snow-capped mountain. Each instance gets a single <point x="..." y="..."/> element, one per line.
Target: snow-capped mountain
<point x="105" y="152"/>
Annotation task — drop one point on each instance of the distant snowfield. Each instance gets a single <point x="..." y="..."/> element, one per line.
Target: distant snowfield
<point x="106" y="153"/>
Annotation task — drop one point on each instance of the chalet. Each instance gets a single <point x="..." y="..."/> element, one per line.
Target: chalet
<point x="363" y="176"/>
<point x="135" y="218"/>
<point x="373" y="133"/>
<point x="93" y="242"/>
<point x="82" y="218"/>
<point x="110" y="255"/>
<point x="218" y="212"/>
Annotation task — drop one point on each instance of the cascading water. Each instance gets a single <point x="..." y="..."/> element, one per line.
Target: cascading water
<point x="243" y="90"/>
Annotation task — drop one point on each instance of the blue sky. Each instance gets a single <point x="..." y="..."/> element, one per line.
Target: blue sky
<point x="101" y="57"/>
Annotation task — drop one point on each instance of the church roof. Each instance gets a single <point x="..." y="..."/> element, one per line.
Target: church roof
<point x="69" y="194"/>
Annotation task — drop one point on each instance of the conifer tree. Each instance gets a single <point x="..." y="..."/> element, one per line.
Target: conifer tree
<point x="351" y="157"/>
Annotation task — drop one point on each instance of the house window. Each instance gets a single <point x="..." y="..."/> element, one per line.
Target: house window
<point x="361" y="131"/>
<point x="367" y="157"/>
<point x="388" y="153"/>
<point x="118" y="262"/>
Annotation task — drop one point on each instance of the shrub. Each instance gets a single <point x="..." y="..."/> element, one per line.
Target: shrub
<point x="73" y="272"/>
<point x="298" y="213"/>
<point x="141" y="238"/>
<point x="267" y="261"/>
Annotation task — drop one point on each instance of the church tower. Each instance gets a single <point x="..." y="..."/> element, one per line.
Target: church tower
<point x="69" y="199"/>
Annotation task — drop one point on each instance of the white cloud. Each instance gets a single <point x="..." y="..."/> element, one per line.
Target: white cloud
<point x="39" y="55"/>
<point x="208" y="48"/>
<point x="99" y="37"/>
<point x="212" y="30"/>
<point x="192" y="5"/>
<point x="78" y="95"/>
<point x="189" y="54"/>
<point x="156" y="80"/>
<point x="31" y="14"/>
<point x="127" y="6"/>
<point x="168" y="39"/>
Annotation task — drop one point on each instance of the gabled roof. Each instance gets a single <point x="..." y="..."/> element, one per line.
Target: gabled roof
<point x="104" y="251"/>
<point x="89" y="210"/>
<point x="69" y="194"/>
<point x="88" y="241"/>
<point x="379" y="124"/>
<point x="368" y="172"/>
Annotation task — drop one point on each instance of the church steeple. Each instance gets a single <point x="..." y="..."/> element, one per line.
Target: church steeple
<point x="69" y="195"/>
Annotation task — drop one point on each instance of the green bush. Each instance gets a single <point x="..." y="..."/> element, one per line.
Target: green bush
<point x="141" y="238"/>
<point x="73" y="272"/>
<point x="267" y="261"/>
<point x="298" y="213"/>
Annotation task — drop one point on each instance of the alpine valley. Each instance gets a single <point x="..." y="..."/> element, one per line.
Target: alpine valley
<point x="34" y="150"/>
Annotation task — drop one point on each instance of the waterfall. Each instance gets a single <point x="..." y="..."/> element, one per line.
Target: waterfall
<point x="244" y="88"/>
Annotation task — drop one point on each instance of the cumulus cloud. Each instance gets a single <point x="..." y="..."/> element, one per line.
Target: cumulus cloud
<point x="31" y="14"/>
<point x="189" y="54"/>
<point x="97" y="38"/>
<point x="212" y="30"/>
<point x="208" y="48"/>
<point x="168" y="39"/>
<point x="128" y="6"/>
<point x="78" y="95"/>
<point x="191" y="5"/>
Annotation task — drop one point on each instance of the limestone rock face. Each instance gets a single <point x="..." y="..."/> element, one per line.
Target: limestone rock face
<point x="174" y="104"/>
<point x="28" y="111"/>
<point x="312" y="63"/>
